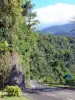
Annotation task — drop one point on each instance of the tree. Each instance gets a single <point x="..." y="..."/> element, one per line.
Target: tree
<point x="14" y="29"/>
<point x="10" y="18"/>
<point x="31" y="20"/>
<point x="72" y="21"/>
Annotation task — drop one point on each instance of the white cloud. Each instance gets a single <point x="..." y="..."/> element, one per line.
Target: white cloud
<point x="56" y="14"/>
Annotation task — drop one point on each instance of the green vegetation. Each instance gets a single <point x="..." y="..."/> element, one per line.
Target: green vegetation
<point x="54" y="58"/>
<point x="13" y="91"/>
<point x="15" y="98"/>
<point x="3" y="96"/>
<point x="5" y="63"/>
<point x="45" y="57"/>
<point x="17" y="34"/>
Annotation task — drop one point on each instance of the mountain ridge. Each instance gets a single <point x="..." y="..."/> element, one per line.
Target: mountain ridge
<point x="64" y="30"/>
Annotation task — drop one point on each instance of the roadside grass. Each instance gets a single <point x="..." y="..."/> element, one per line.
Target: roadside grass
<point x="61" y="85"/>
<point x="3" y="96"/>
<point x="58" y="85"/>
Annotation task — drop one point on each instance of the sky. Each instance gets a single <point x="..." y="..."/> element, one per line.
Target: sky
<point x="54" y="12"/>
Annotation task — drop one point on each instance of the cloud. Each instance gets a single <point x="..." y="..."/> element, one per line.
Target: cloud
<point x="55" y="14"/>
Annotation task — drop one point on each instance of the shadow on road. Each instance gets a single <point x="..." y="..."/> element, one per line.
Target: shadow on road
<point x="40" y="90"/>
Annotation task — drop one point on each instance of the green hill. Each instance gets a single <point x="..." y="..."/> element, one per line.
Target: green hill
<point x="60" y="30"/>
<point x="54" y="57"/>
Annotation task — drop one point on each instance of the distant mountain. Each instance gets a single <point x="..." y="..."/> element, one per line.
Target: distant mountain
<point x="64" y="30"/>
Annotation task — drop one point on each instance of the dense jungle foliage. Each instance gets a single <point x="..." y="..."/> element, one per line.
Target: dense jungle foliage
<point x="54" y="58"/>
<point x="42" y="56"/>
<point x="17" y="23"/>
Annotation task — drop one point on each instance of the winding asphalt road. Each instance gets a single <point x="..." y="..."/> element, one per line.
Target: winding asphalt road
<point x="46" y="93"/>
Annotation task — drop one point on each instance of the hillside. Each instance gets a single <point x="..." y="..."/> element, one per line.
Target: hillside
<point x="64" y="30"/>
<point x="54" y="57"/>
<point x="17" y="40"/>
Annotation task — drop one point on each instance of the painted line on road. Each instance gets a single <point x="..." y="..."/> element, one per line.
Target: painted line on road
<point x="69" y="99"/>
<point x="50" y="95"/>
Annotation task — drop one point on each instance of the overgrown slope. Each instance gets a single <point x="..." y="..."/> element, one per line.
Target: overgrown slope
<point x="54" y="58"/>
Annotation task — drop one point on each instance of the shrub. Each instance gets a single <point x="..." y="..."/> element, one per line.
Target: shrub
<point x="72" y="82"/>
<point x="5" y="67"/>
<point x="13" y="91"/>
<point x="47" y="79"/>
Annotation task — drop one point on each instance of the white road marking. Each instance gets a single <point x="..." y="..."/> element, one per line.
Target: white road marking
<point x="67" y="92"/>
<point x="69" y="99"/>
<point x="50" y="95"/>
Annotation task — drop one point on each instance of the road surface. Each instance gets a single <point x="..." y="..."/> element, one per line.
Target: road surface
<point x="46" y="93"/>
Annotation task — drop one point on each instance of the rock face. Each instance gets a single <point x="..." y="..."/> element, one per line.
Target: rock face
<point x="16" y="75"/>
